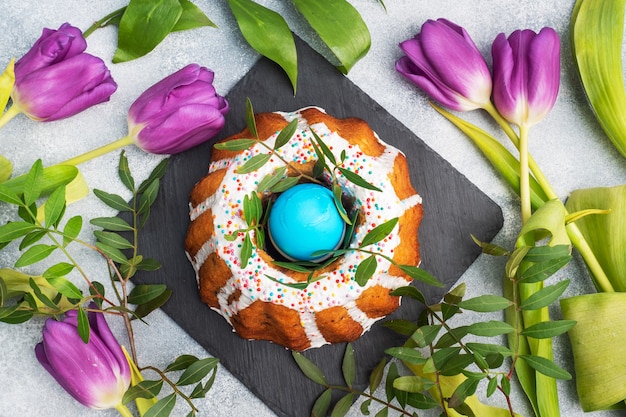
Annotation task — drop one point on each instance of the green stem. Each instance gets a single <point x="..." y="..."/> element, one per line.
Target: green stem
<point x="123" y="410"/>
<point x="120" y="143"/>
<point x="9" y="114"/>
<point x="103" y="22"/>
<point x="534" y="168"/>
<point x="524" y="174"/>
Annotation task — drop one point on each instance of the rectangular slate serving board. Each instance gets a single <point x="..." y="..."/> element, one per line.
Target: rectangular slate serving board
<point x="454" y="208"/>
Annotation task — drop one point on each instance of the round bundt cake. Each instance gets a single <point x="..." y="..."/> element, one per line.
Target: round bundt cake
<point x="250" y="283"/>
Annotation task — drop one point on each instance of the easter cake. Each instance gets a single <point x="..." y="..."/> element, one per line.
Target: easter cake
<point x="342" y="219"/>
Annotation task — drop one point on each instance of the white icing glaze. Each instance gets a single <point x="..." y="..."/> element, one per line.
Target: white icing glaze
<point x="335" y="288"/>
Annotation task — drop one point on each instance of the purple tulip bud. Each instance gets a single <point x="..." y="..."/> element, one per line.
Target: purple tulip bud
<point x="97" y="373"/>
<point x="526" y="71"/>
<point x="177" y="113"/>
<point x="57" y="79"/>
<point x="443" y="61"/>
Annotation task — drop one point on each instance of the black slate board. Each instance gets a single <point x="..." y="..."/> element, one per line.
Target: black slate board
<point x="454" y="208"/>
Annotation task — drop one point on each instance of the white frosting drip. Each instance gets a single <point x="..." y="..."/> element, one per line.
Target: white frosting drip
<point x="335" y="288"/>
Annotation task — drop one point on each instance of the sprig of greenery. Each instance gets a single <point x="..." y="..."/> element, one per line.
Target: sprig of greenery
<point x="40" y="199"/>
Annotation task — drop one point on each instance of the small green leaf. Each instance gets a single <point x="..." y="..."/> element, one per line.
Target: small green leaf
<point x="343" y="405"/>
<point x="180" y="363"/>
<point x="163" y="407"/>
<point x="246" y="250"/>
<point x="14" y="315"/>
<point x="285" y="135"/>
<point x="271" y="179"/>
<point x="377" y="375"/>
<point x="144" y="309"/>
<point x="113" y="239"/>
<point x="148" y="264"/>
<point x="40" y="295"/>
<point x="9" y="196"/>
<point x="441" y="356"/>
<point x="197" y="371"/>
<point x="545" y="296"/>
<point x="254" y="163"/>
<point x="200" y="391"/>
<point x="115" y="254"/>
<point x="410" y="291"/>
<point x="143" y="389"/>
<point x="236" y="144"/>
<point x="322" y="404"/>
<point x="83" y="325"/>
<point x="114" y="224"/>
<point x="421" y="275"/>
<point x="425" y="335"/>
<point x="34" y="254"/>
<point x="487" y="348"/>
<point x="33" y="184"/>
<point x="65" y="287"/>
<point x="267" y="32"/>
<point x="357" y="180"/>
<point x="379" y="232"/>
<point x="485" y="303"/>
<point x="465" y="389"/>
<point x="309" y="368"/>
<point x="542" y="270"/>
<point x="365" y="270"/>
<point x="124" y="172"/>
<point x="548" y="329"/>
<point x="546" y="367"/>
<point x="144" y="293"/>
<point x="72" y="229"/>
<point x="413" y="383"/>
<point x="54" y="207"/>
<point x="112" y="200"/>
<point x="326" y="152"/>
<point x="143" y="26"/>
<point x="406" y="354"/>
<point x="148" y="197"/>
<point x="250" y="120"/>
<point x="157" y="173"/>
<point x="284" y="184"/>
<point x="348" y="365"/>
<point x="15" y="230"/>
<point x="403" y="327"/>
<point x="191" y="18"/>
<point x="490" y="328"/>
<point x="492" y="386"/>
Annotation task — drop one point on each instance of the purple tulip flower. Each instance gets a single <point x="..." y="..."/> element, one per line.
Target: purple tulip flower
<point x="57" y="79"/>
<point x="97" y="373"/>
<point x="177" y="113"/>
<point x="526" y="70"/>
<point x="443" y="61"/>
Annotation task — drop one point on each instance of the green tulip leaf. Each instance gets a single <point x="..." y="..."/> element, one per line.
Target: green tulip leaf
<point x="340" y="26"/>
<point x="191" y="18"/>
<point x="267" y="32"/>
<point x="144" y="24"/>
<point x="605" y="233"/>
<point x="596" y="32"/>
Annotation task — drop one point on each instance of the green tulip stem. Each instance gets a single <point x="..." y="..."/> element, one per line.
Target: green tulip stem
<point x="120" y="143"/>
<point x="123" y="410"/>
<point x="106" y="20"/>
<point x="9" y="114"/>
<point x="524" y="174"/>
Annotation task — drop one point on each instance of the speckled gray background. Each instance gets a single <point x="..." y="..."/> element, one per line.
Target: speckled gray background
<point x="568" y="145"/>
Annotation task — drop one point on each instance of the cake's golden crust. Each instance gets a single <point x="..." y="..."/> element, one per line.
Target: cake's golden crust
<point x="376" y="302"/>
<point x="355" y="131"/>
<point x="336" y="325"/>
<point x="213" y="275"/>
<point x="199" y="232"/>
<point x="277" y="322"/>
<point x="266" y="321"/>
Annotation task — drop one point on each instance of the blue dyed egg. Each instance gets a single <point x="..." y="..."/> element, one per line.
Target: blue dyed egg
<point x="303" y="220"/>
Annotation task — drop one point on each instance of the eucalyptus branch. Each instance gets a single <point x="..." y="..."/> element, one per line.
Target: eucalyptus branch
<point x="172" y="385"/>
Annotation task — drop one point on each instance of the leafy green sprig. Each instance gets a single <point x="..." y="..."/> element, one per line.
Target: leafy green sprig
<point x="40" y="199"/>
<point x="446" y="363"/>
